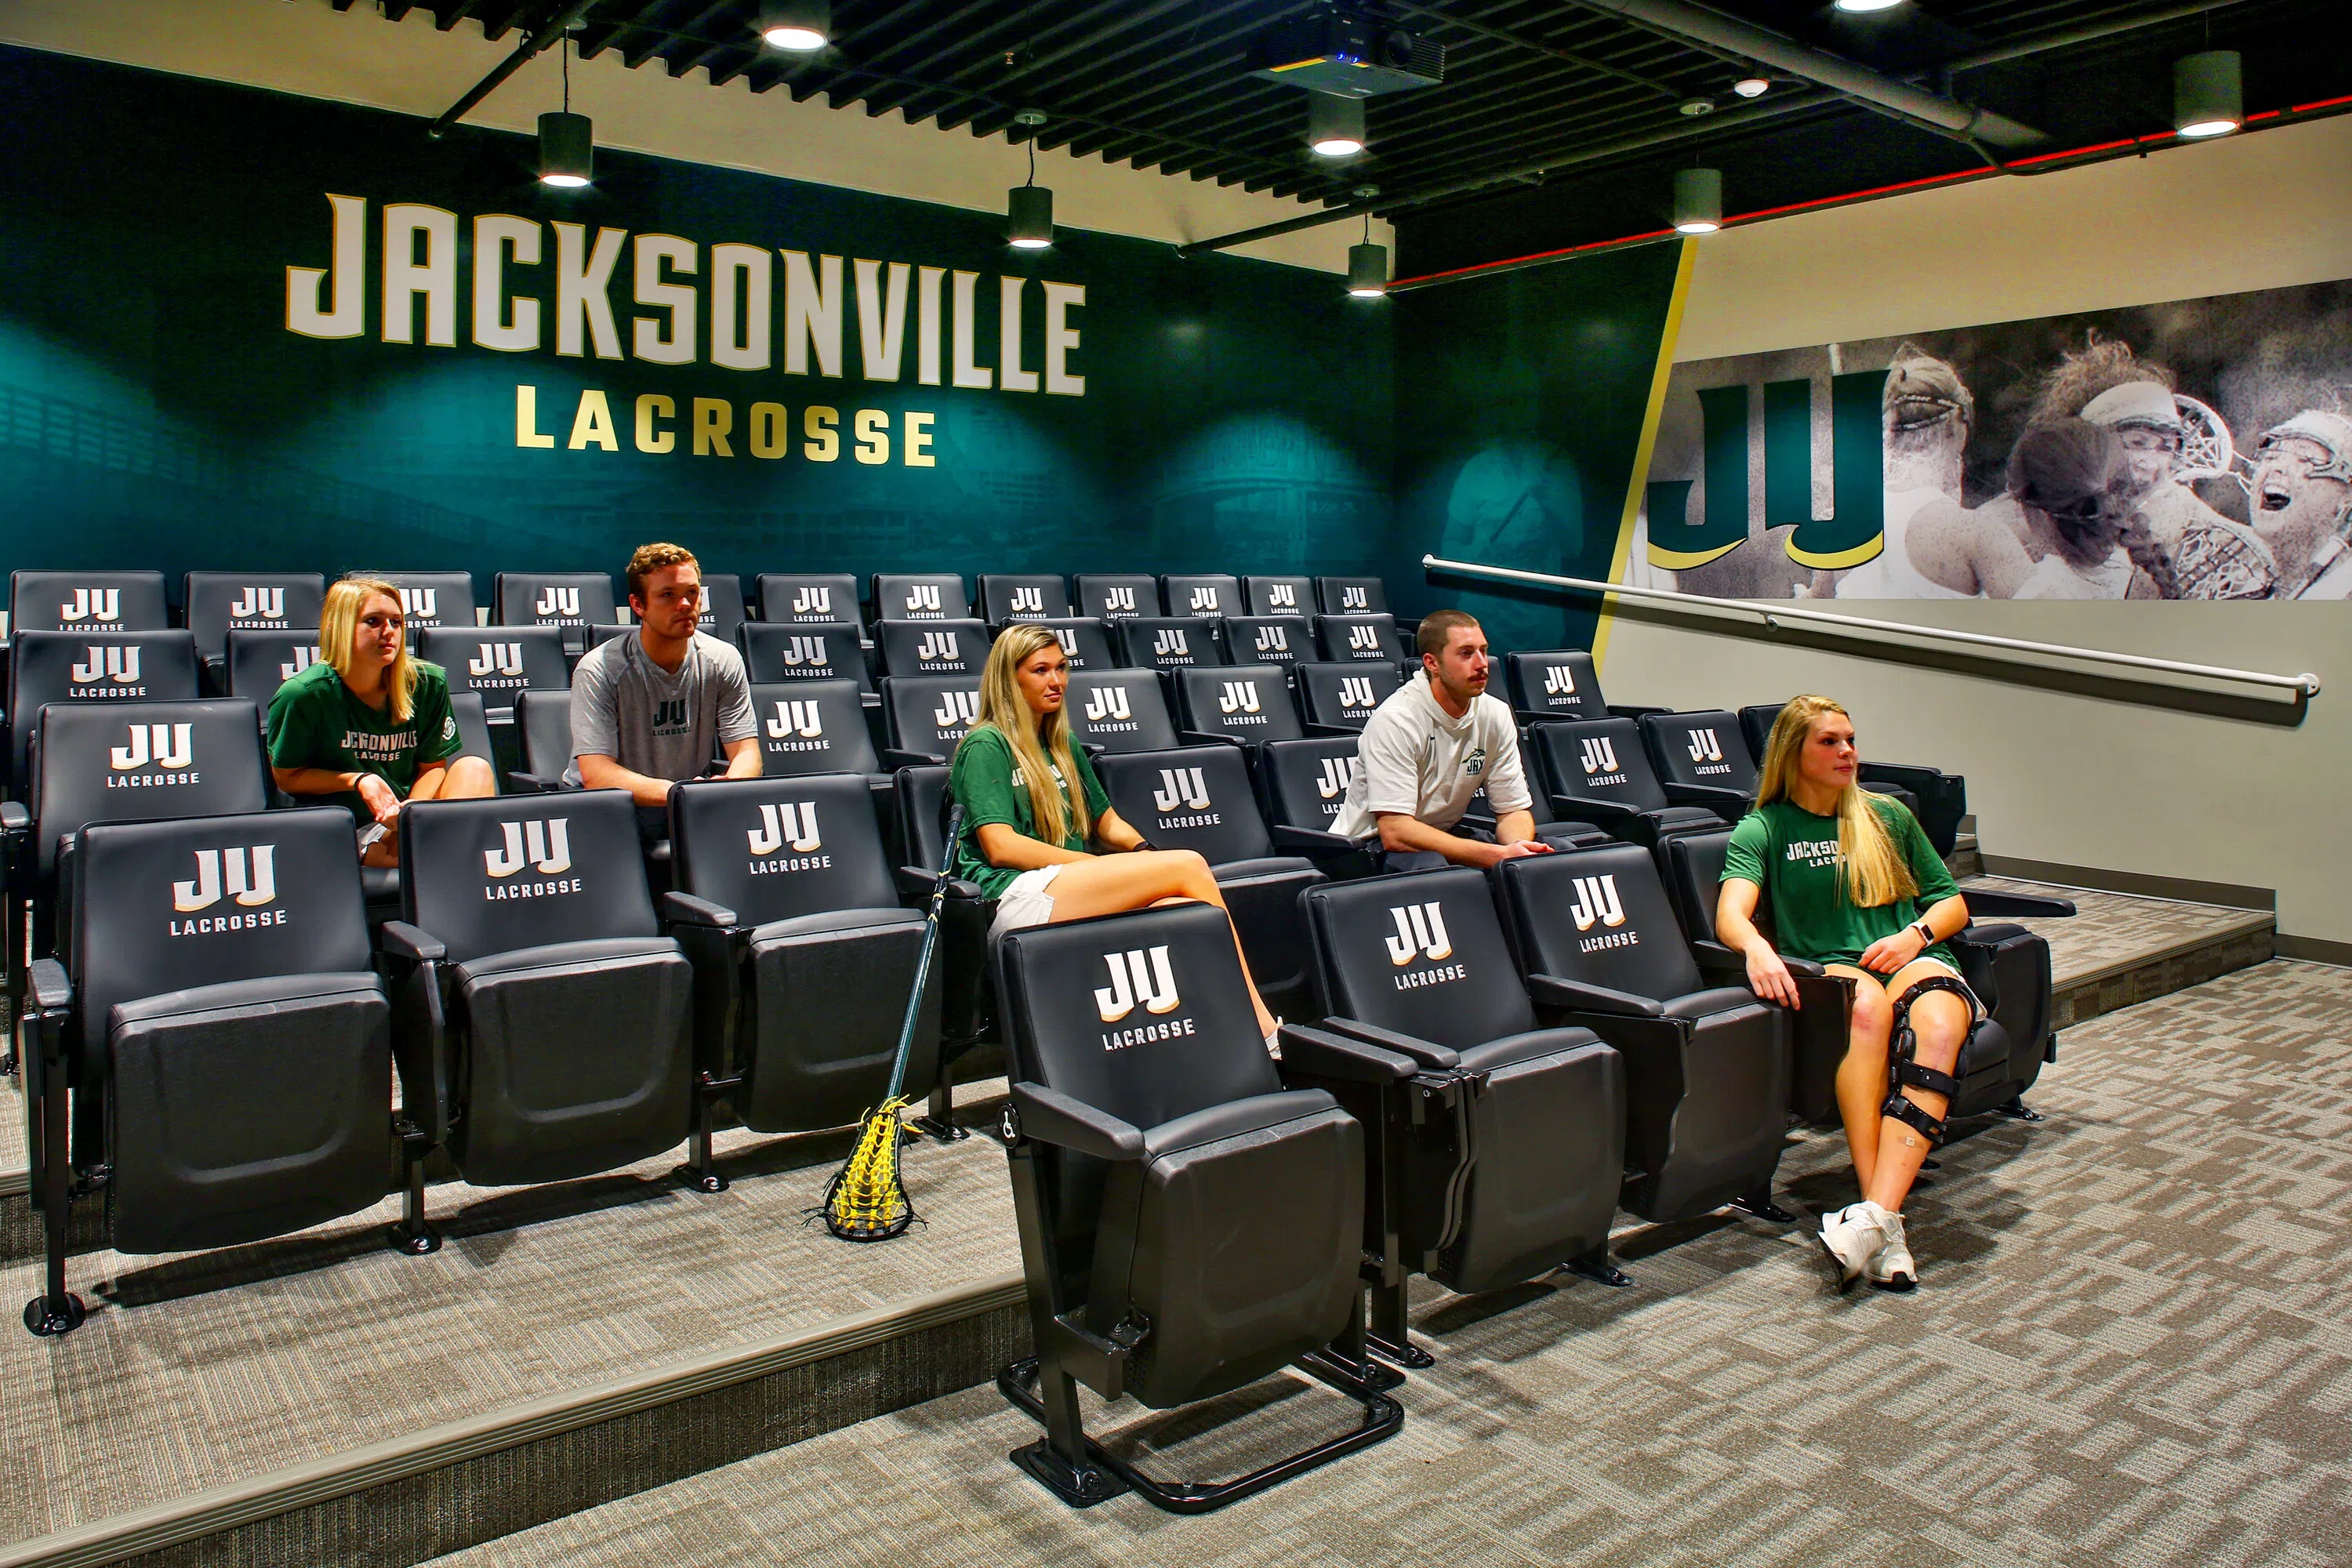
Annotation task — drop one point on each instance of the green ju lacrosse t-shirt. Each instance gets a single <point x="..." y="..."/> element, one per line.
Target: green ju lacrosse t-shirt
<point x="1792" y="855"/>
<point x="317" y="721"/>
<point x="986" y="785"/>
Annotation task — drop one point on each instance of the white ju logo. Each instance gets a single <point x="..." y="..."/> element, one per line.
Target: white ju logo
<point x="1331" y="779"/>
<point x="1704" y="747"/>
<point x="543" y="842"/>
<point x="254" y="602"/>
<point x="1596" y="900"/>
<point x="1106" y="702"/>
<point x="1180" y="786"/>
<point x="1205" y="600"/>
<point x="937" y="646"/>
<point x="1028" y="601"/>
<point x="923" y="597"/>
<point x="1559" y="681"/>
<point x="1069" y="641"/>
<point x="1356" y="691"/>
<point x="495" y="658"/>
<point x="1355" y="599"/>
<point x="957" y="708"/>
<point x="803" y="650"/>
<point x="247" y="876"/>
<point x="305" y="656"/>
<point x="1600" y="755"/>
<point x="555" y="601"/>
<point x="1364" y="639"/>
<point x="1282" y="596"/>
<point x="802" y="718"/>
<point x="815" y="604"/>
<point x="165" y="745"/>
<point x="1136" y="976"/>
<point x="92" y="605"/>
<point x="786" y="823"/>
<point x="1273" y="639"/>
<point x="1118" y="600"/>
<point x="1170" y="643"/>
<point x="1238" y="697"/>
<point x="119" y="664"/>
<point x="421" y="604"/>
<point x="1420" y="930"/>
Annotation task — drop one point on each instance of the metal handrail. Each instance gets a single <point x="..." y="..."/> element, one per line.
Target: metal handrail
<point x="2306" y="684"/>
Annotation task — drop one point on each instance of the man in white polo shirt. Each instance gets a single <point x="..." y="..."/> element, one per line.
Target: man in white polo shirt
<point x="1432" y="745"/>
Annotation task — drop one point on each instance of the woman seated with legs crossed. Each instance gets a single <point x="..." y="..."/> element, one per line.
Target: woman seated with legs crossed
<point x="1033" y="809"/>
<point x="1855" y="886"/>
<point x="369" y="727"/>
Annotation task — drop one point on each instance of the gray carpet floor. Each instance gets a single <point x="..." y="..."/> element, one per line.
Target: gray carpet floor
<point x="2129" y="1348"/>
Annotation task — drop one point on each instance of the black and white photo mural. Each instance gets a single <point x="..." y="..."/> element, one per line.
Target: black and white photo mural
<point x="2197" y="449"/>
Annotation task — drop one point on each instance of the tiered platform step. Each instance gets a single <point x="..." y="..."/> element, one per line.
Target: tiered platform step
<point x="318" y="1399"/>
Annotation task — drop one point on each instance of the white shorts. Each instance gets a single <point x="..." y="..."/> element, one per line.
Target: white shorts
<point x="1976" y="1004"/>
<point x="1026" y="903"/>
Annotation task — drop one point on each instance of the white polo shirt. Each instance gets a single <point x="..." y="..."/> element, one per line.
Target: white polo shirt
<point x="1419" y="759"/>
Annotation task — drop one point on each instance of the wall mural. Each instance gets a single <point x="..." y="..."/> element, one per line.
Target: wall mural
<point x="2200" y="449"/>
<point x="243" y="329"/>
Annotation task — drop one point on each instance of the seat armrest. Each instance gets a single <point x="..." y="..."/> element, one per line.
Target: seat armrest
<point x="1803" y="968"/>
<point x="1203" y="738"/>
<point x="1552" y="991"/>
<point x="1423" y="1053"/>
<point x="1587" y="808"/>
<point x="51" y="987"/>
<point x="536" y="784"/>
<point x="1308" y="840"/>
<point x="1052" y="1117"/>
<point x="893" y="759"/>
<point x="402" y="940"/>
<point x="1635" y="710"/>
<point x="1331" y="733"/>
<point x="685" y="909"/>
<point x="1715" y="956"/>
<point x="1322" y="1054"/>
<point x="2015" y="906"/>
<point x="1714" y="798"/>
<point x="916" y="882"/>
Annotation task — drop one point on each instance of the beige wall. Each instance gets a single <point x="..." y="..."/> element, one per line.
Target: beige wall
<point x="2054" y="777"/>
<point x="307" y="47"/>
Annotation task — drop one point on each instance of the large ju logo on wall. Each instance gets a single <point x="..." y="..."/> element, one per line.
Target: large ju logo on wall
<point x="2200" y="449"/>
<point x="313" y="338"/>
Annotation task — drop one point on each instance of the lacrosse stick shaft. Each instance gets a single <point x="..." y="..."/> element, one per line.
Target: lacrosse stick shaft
<point x="923" y="960"/>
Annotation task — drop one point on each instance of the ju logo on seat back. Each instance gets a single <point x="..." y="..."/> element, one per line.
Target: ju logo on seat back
<point x="1180" y="786"/>
<point x="792" y="824"/>
<point x="257" y="603"/>
<point x="104" y="604"/>
<point x="1139" y="976"/>
<point x="1596" y="901"/>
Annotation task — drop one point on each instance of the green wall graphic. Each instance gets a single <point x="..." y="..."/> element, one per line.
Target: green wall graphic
<point x="782" y="376"/>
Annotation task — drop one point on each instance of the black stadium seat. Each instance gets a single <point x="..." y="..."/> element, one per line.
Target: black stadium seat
<point x="1357" y="638"/>
<point x="497" y="663"/>
<point x="1278" y="596"/>
<point x="1270" y="639"/>
<point x="920" y="596"/>
<point x="1305" y="785"/>
<point x="803" y="596"/>
<point x="543" y="734"/>
<point x="935" y="647"/>
<point x="86" y="602"/>
<point x="1480" y="813"/>
<point x="812" y="727"/>
<point x="1706" y="1070"/>
<point x="1938" y="799"/>
<point x="1342" y="696"/>
<point x="435" y="598"/>
<point x="805" y="650"/>
<point x="230" y="1043"/>
<point x="1030" y="596"/>
<point x="1167" y="642"/>
<point x="577" y="600"/>
<point x="1700" y="760"/>
<point x="1118" y="595"/>
<point x="1085" y="641"/>
<point x="1352" y="595"/>
<point x="1596" y="772"/>
<point x="1503" y="1141"/>
<point x="927" y="715"/>
<point x="219" y="603"/>
<point x="1118" y="711"/>
<point x="540" y="1021"/>
<point x="1249" y="704"/>
<point x="258" y="663"/>
<point x="1200" y="798"/>
<point x="1557" y="684"/>
<point x="722" y="605"/>
<point x="803" y="958"/>
<point x="474" y="730"/>
<point x="1148" y="1131"/>
<point x="1202" y="595"/>
<point x="96" y="666"/>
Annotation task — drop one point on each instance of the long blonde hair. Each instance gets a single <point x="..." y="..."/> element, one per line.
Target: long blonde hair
<point x="1058" y="814"/>
<point x="339" y="629"/>
<point x="1875" y="873"/>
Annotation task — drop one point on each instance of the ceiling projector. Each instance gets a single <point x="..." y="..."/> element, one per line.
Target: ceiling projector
<point x="1346" y="52"/>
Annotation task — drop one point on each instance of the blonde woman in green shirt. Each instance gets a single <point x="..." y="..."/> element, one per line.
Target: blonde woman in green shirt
<point x="1037" y="820"/>
<point x="1854" y="885"/>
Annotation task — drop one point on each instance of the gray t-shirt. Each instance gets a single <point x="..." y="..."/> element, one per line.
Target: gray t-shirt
<point x="1418" y="759"/>
<point x="665" y="726"/>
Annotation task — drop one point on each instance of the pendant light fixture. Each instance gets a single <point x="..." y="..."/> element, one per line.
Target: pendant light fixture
<point x="2207" y="93"/>
<point x="567" y="141"/>
<point x="1368" y="266"/>
<point x="1699" y="201"/>
<point x="1029" y="209"/>
<point x="802" y="26"/>
<point x="1335" y="124"/>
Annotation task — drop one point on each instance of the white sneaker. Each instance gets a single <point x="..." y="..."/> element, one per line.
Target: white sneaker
<point x="1892" y="1268"/>
<point x="1853" y="1237"/>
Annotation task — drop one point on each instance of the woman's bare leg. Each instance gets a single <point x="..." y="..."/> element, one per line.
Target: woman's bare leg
<point x="1113" y="884"/>
<point x="463" y="778"/>
<point x="1861" y="1076"/>
<point x="1940" y="1020"/>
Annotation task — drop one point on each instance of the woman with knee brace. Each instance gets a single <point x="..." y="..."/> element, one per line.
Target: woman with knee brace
<point x="1850" y="883"/>
<point x="1037" y="820"/>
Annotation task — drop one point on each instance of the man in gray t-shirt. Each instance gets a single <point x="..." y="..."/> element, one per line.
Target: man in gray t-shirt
<point x="651" y="709"/>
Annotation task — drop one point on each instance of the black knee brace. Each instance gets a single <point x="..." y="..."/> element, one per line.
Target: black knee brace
<point x="1902" y="1049"/>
